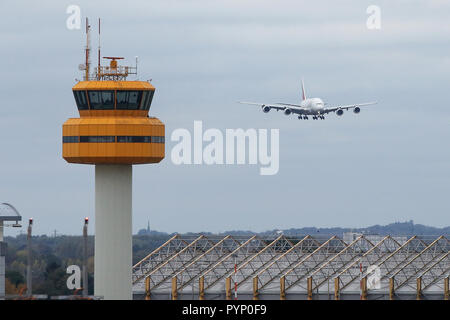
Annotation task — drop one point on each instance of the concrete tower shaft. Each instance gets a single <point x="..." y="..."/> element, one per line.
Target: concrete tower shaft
<point x="113" y="226"/>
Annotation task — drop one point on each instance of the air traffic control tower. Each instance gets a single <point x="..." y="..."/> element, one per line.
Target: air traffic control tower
<point x="113" y="133"/>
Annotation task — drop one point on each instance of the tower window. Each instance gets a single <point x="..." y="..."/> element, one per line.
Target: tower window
<point x="80" y="99"/>
<point x="143" y="101"/>
<point x="113" y="139"/>
<point x="101" y="100"/>
<point x="98" y="139"/>
<point x="150" y="98"/>
<point x="146" y="100"/>
<point x="156" y="139"/>
<point x="134" y="139"/>
<point x="128" y="100"/>
<point x="70" y="139"/>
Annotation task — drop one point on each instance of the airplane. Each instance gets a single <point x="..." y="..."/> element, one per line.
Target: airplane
<point x="314" y="107"/>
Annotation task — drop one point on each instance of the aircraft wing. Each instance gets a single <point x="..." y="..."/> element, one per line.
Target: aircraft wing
<point x="295" y="108"/>
<point x="350" y="106"/>
<point x="275" y="106"/>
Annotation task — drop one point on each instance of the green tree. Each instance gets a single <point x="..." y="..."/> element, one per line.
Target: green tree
<point x="15" y="277"/>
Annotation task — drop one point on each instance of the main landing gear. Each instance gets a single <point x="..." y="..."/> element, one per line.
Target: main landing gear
<point x="314" y="117"/>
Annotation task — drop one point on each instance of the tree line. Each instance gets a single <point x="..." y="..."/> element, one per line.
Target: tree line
<point x="52" y="255"/>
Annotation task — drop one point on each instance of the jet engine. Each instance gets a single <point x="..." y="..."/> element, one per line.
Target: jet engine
<point x="357" y="110"/>
<point x="287" y="112"/>
<point x="265" y="109"/>
<point x="340" y="112"/>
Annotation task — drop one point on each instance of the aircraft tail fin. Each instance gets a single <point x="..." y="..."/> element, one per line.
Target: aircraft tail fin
<point x="303" y="91"/>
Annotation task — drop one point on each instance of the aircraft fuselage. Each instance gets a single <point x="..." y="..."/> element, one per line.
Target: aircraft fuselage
<point x="312" y="106"/>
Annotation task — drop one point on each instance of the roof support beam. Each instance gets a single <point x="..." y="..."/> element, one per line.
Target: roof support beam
<point x="178" y="261"/>
<point x="255" y="288"/>
<point x="446" y="289"/>
<point x="337" y="290"/>
<point x="221" y="269"/>
<point x="336" y="265"/>
<point x="155" y="258"/>
<point x="376" y="252"/>
<point x="204" y="261"/>
<point x="435" y="272"/>
<point x="406" y="275"/>
<point x="282" y="288"/>
<point x="299" y="250"/>
<point x="241" y="273"/>
<point x="325" y="249"/>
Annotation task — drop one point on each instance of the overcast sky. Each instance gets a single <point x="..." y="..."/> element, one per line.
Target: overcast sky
<point x="389" y="163"/>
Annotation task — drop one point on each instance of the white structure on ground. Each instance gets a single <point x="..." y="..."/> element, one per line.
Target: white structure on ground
<point x="7" y="213"/>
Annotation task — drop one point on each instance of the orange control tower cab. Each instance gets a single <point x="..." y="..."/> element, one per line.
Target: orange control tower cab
<point x="114" y="126"/>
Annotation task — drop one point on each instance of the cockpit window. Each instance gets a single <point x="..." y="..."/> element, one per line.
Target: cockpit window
<point x="128" y="100"/>
<point x="101" y="100"/>
<point x="80" y="99"/>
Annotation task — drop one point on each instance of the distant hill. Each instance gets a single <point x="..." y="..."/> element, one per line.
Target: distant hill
<point x="393" y="229"/>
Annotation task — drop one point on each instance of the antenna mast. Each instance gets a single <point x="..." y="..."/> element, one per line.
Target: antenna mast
<point x="98" y="66"/>
<point x="88" y="49"/>
<point x="113" y="72"/>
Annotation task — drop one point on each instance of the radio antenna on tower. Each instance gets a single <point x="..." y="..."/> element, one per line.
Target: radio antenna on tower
<point x="98" y="67"/>
<point x="113" y="72"/>
<point x="88" y="49"/>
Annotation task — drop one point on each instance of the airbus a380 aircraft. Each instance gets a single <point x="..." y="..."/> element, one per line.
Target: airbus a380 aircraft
<point x="314" y="107"/>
